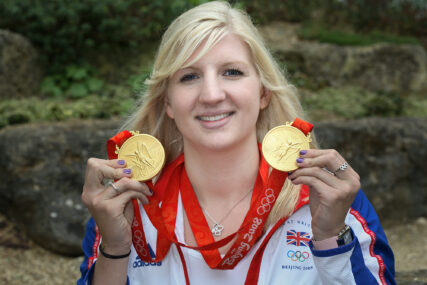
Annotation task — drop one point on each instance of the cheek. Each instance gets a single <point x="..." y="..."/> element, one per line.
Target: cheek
<point x="177" y="108"/>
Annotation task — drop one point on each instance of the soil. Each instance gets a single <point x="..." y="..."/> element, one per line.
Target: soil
<point x="24" y="262"/>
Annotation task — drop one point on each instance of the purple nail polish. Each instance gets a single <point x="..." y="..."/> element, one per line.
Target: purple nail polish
<point x="127" y="171"/>
<point x="121" y="162"/>
<point x="300" y="160"/>
<point x="151" y="191"/>
<point x="302" y="152"/>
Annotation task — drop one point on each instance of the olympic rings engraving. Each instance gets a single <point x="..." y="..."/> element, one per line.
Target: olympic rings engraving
<point x="139" y="243"/>
<point x="298" y="255"/>
<point x="266" y="202"/>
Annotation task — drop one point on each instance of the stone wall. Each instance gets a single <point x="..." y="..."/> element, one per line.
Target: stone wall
<point x="379" y="67"/>
<point x="42" y="174"/>
<point x="42" y="171"/>
<point x="20" y="69"/>
<point x="389" y="155"/>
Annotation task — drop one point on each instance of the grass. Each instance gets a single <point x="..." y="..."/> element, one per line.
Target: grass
<point x="346" y="38"/>
<point x="34" y="109"/>
<point x="350" y="102"/>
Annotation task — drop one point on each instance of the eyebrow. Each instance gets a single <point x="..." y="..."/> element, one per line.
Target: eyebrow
<point x="237" y="62"/>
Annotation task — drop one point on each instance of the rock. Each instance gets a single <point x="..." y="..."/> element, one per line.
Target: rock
<point x="389" y="154"/>
<point x="42" y="177"/>
<point x="43" y="171"/>
<point x="20" y="70"/>
<point x="379" y="67"/>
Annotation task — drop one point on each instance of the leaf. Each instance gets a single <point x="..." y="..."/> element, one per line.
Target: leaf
<point x="77" y="90"/>
<point x="94" y="84"/>
<point x="50" y="87"/>
<point x="76" y="73"/>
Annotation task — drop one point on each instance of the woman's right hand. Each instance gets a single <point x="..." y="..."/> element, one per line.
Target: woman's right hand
<point x="112" y="210"/>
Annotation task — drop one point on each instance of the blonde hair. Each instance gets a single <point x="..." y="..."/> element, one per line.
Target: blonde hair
<point x="210" y="22"/>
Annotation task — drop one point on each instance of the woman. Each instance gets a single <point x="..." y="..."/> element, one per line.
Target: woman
<point x="214" y="93"/>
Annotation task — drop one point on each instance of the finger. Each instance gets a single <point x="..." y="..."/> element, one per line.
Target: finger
<point x="341" y="190"/>
<point x="126" y="184"/>
<point x="99" y="169"/>
<point x="325" y="176"/>
<point x="128" y="212"/>
<point x="116" y="163"/>
<point x="315" y="184"/>
<point x="124" y="198"/>
<point x="329" y="159"/>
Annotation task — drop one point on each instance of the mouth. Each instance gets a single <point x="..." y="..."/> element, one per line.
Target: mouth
<point x="213" y="118"/>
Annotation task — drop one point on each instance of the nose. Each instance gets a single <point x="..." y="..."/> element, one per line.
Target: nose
<point x="211" y="91"/>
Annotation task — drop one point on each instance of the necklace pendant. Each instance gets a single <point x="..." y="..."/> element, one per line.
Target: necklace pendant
<point x="217" y="230"/>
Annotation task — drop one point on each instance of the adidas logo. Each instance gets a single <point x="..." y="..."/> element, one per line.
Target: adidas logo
<point x="139" y="263"/>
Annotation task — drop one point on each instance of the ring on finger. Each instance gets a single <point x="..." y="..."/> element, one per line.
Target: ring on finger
<point x="342" y="167"/>
<point x="111" y="183"/>
<point x="328" y="171"/>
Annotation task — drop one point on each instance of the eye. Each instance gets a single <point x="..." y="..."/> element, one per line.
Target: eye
<point x="188" y="77"/>
<point x="233" y="72"/>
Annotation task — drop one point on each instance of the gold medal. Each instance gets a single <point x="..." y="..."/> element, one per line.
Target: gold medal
<point x="144" y="154"/>
<point x="281" y="147"/>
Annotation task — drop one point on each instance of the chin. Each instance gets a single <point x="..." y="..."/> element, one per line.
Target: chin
<point x="217" y="143"/>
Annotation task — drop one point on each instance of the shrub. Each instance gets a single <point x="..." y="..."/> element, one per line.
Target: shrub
<point x="53" y="109"/>
<point x="76" y="82"/>
<point x="290" y="10"/>
<point x="351" y="103"/>
<point x="64" y="30"/>
<point x="339" y="37"/>
<point x="405" y="17"/>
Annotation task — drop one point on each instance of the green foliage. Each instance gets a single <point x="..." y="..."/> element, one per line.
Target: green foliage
<point x="136" y="81"/>
<point x="290" y="10"/>
<point x="415" y="106"/>
<point x="385" y="104"/>
<point x="64" y="30"/>
<point x="351" y="103"/>
<point x="54" y="109"/>
<point x="347" y="103"/>
<point x="403" y="17"/>
<point x="340" y="37"/>
<point x="76" y="82"/>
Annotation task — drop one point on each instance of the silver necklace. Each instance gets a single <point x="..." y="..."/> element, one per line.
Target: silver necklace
<point x="217" y="228"/>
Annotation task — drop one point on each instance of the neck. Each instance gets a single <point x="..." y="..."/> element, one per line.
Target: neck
<point x="222" y="177"/>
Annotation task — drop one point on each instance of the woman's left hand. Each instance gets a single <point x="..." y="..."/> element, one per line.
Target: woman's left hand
<point x="331" y="192"/>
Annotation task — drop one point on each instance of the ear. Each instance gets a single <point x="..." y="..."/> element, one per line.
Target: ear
<point x="168" y="108"/>
<point x="265" y="98"/>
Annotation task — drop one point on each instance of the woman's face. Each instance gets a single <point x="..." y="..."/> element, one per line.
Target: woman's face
<point x="215" y="102"/>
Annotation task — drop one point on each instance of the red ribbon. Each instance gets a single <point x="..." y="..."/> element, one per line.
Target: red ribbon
<point x="174" y="180"/>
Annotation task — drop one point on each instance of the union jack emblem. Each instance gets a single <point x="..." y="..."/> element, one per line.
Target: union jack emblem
<point x="297" y="238"/>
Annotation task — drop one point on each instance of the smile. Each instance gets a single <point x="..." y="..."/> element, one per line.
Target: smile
<point x="214" y="118"/>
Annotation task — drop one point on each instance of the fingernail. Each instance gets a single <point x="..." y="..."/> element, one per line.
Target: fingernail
<point x="151" y="191"/>
<point x="289" y="173"/>
<point x="121" y="162"/>
<point x="127" y="171"/>
<point x="300" y="160"/>
<point x="302" y="152"/>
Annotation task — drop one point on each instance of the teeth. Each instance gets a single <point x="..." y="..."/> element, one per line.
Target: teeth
<point x="214" y="118"/>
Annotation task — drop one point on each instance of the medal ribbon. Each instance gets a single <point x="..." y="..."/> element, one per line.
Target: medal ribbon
<point x="162" y="210"/>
